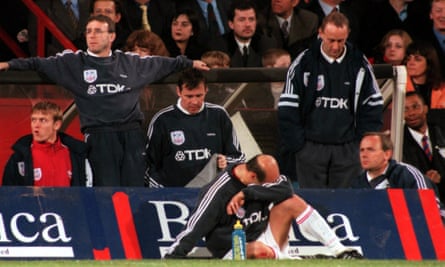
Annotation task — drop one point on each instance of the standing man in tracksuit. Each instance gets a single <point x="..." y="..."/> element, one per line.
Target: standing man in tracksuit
<point x="106" y="86"/>
<point x="330" y="99"/>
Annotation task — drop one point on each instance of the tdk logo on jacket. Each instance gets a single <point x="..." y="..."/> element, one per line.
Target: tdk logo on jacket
<point x="106" y="88"/>
<point x="193" y="154"/>
<point x="331" y="102"/>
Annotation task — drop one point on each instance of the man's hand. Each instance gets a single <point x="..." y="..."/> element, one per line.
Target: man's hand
<point x="235" y="203"/>
<point x="434" y="176"/>
<point x="200" y="65"/>
<point x="221" y="161"/>
<point x="4" y="66"/>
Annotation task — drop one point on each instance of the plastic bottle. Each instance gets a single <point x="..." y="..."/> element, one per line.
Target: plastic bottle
<point x="238" y="242"/>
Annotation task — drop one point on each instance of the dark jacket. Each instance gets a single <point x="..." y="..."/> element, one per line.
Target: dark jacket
<point x="22" y="156"/>
<point x="413" y="154"/>
<point x="259" y="44"/>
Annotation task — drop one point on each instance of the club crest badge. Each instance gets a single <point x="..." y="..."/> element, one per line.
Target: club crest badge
<point x="177" y="137"/>
<point x="320" y="82"/>
<point x="37" y="174"/>
<point x="90" y="75"/>
<point x="21" y="167"/>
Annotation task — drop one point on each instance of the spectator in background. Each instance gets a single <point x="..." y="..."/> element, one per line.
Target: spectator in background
<point x="158" y="15"/>
<point x="216" y="59"/>
<point x="47" y="157"/>
<point x="189" y="137"/>
<point x="69" y="18"/>
<point x="330" y="99"/>
<point x="183" y="35"/>
<point x="322" y="8"/>
<point x="245" y="43"/>
<point x="276" y="58"/>
<point x="435" y="34"/>
<point x="382" y="16"/>
<point x="113" y="10"/>
<point x="423" y="69"/>
<point x="14" y="21"/>
<point x="146" y="43"/>
<point x="392" y="48"/>
<point x="212" y="17"/>
<point x="106" y="86"/>
<point x="218" y="92"/>
<point x="383" y="172"/>
<point x="423" y="143"/>
<point x="292" y="27"/>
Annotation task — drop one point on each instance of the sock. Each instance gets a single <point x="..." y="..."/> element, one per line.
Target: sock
<point x="312" y="224"/>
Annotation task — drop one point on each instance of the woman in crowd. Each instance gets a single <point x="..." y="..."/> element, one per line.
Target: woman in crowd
<point x="392" y="48"/>
<point x="184" y="29"/>
<point x="423" y="70"/>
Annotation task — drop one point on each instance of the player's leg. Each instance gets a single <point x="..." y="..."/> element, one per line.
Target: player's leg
<point x="309" y="221"/>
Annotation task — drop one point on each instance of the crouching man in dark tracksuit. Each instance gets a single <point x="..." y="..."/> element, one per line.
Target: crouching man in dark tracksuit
<point x="249" y="189"/>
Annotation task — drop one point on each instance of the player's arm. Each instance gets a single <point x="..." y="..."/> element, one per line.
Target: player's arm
<point x="273" y="192"/>
<point x="203" y="220"/>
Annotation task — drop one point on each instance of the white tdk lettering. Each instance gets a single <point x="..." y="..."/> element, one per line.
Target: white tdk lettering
<point x="198" y="154"/>
<point x="254" y="217"/>
<point x="110" y="88"/>
<point x="332" y="102"/>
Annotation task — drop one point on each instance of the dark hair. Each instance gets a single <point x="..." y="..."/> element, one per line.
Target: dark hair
<point x="253" y="166"/>
<point x="192" y="16"/>
<point x="415" y="93"/>
<point x="117" y="5"/>
<point x="385" y="139"/>
<point x="191" y="78"/>
<point x="426" y="50"/>
<point x="241" y="5"/>
<point x="104" y="19"/>
<point x="336" y="18"/>
<point x="48" y="107"/>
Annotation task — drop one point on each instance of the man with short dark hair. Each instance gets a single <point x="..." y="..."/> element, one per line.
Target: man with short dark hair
<point x="183" y="138"/>
<point x="423" y="143"/>
<point x="47" y="157"/>
<point x="106" y="86"/>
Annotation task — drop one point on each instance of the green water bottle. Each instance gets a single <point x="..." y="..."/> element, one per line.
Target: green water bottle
<point x="238" y="242"/>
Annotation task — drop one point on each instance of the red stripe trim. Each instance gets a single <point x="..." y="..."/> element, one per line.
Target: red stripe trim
<point x="435" y="226"/>
<point x="127" y="229"/>
<point x="404" y="224"/>
<point x="102" y="254"/>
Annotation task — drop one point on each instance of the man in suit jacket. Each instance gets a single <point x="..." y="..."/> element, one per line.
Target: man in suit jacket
<point x="302" y="25"/>
<point x="436" y="33"/>
<point x="416" y="127"/>
<point x="245" y="43"/>
<point x="58" y="13"/>
<point x="159" y="15"/>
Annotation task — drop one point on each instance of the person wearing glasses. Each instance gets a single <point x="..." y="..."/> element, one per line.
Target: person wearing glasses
<point x="106" y="86"/>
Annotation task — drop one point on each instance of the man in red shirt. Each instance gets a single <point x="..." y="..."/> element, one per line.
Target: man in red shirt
<point x="47" y="157"/>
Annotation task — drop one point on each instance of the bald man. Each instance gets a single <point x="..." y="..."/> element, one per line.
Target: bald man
<point x="245" y="192"/>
